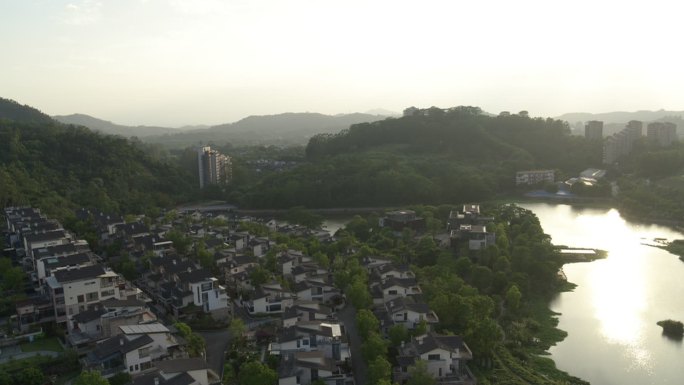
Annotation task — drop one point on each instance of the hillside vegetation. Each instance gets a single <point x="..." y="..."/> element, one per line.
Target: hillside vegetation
<point x="436" y="156"/>
<point x="58" y="168"/>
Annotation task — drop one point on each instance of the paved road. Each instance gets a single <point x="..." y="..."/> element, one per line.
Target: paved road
<point x="348" y="317"/>
<point x="217" y="344"/>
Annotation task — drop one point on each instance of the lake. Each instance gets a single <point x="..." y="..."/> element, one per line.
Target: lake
<point x="611" y="316"/>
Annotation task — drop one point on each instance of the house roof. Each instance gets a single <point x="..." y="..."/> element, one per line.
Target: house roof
<point x="400" y="304"/>
<point x="47" y="236"/>
<point x="81" y="273"/>
<point x="315" y="360"/>
<point x="113" y="303"/>
<point x="120" y="344"/>
<point x="149" y="379"/>
<point x="67" y="248"/>
<point x="434" y="341"/>
<point x="402" y="282"/>
<point x="195" y="276"/>
<point x="69" y="260"/>
<point x="144" y="328"/>
<point x="88" y="315"/>
<point x="181" y="365"/>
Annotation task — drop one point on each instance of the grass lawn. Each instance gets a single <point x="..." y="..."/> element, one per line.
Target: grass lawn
<point x="50" y="344"/>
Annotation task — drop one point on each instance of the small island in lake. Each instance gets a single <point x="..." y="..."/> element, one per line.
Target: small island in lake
<point x="672" y="329"/>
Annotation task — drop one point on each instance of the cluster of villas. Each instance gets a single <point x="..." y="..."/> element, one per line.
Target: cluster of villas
<point x="107" y="319"/>
<point x="116" y="324"/>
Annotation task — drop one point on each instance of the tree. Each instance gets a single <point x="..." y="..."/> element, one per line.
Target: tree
<point x="398" y="334"/>
<point x="379" y="369"/>
<point x="259" y="275"/>
<point x="32" y="376"/>
<point x="256" y="373"/>
<point x="513" y="297"/>
<point x="366" y="322"/>
<point x="5" y="378"/>
<point x="373" y="346"/>
<point x="418" y="374"/>
<point x="196" y="343"/>
<point x="90" y="378"/>
<point x="121" y="378"/>
<point x="237" y="330"/>
<point x="358" y="294"/>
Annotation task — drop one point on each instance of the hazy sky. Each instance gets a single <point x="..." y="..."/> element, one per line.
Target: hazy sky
<point x="177" y="62"/>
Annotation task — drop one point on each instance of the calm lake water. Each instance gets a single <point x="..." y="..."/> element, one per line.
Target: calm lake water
<point x="611" y="316"/>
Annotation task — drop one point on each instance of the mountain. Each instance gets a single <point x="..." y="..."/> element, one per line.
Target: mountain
<point x="107" y="127"/>
<point x="11" y="110"/>
<point x="61" y="167"/>
<point x="287" y="128"/>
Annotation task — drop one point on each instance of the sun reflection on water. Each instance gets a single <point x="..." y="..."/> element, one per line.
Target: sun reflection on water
<point x="619" y="288"/>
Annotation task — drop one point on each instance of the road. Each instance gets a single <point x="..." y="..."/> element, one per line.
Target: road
<point x="348" y="317"/>
<point x="217" y="344"/>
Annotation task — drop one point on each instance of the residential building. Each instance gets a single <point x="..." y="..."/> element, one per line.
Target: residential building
<point x="401" y="219"/>
<point x="74" y="290"/>
<point x="662" y="133"/>
<point x="621" y="143"/>
<point x="214" y="167"/>
<point x="445" y="356"/>
<point x="182" y="371"/>
<point x="593" y="130"/>
<point x="532" y="177"/>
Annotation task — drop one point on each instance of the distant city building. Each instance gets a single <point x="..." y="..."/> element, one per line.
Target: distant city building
<point x="593" y="130"/>
<point x="214" y="167"/>
<point x="621" y="143"/>
<point x="534" y="176"/>
<point x="663" y="133"/>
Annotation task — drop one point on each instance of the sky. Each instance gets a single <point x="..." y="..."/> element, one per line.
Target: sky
<point x="183" y="62"/>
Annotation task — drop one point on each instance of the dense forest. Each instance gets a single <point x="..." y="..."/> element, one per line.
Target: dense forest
<point x="58" y="168"/>
<point x="437" y="156"/>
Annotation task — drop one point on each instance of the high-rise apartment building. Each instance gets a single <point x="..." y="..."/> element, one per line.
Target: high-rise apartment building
<point x="663" y="133"/>
<point x="214" y="167"/>
<point x="621" y="143"/>
<point x="593" y="130"/>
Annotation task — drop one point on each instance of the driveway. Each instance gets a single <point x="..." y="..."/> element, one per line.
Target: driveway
<point x="348" y="317"/>
<point x="217" y="344"/>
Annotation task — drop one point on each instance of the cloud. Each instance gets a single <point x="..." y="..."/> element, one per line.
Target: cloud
<point x="85" y="12"/>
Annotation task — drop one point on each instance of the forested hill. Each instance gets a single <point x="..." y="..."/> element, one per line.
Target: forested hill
<point x="467" y="134"/>
<point x="433" y="156"/>
<point x="11" y="110"/>
<point x="59" y="168"/>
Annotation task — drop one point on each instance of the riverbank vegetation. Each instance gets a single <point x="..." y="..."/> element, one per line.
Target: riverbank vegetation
<point x="496" y="298"/>
<point x="672" y="329"/>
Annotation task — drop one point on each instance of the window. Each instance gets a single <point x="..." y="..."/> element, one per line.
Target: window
<point x="206" y="286"/>
<point x="314" y="374"/>
<point x="130" y="368"/>
<point x="137" y="367"/>
<point x="144" y="352"/>
<point x="94" y="296"/>
<point x="107" y="293"/>
<point x="434" y="357"/>
<point x="80" y="298"/>
<point x="392" y="292"/>
<point x="145" y="365"/>
<point x="305" y="342"/>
